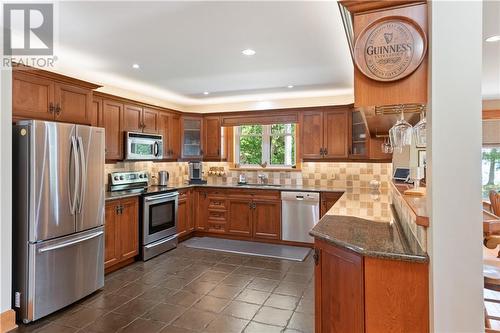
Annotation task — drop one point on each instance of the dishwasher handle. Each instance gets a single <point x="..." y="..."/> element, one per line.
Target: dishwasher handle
<point x="300" y="196"/>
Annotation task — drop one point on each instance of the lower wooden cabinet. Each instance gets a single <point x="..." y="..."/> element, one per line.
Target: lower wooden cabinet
<point x="185" y="223"/>
<point x="121" y="231"/>
<point x="240" y="217"/>
<point x="338" y="290"/>
<point x="355" y="294"/>
<point x="327" y="200"/>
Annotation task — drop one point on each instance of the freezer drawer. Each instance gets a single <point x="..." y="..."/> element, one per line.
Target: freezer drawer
<point x="64" y="270"/>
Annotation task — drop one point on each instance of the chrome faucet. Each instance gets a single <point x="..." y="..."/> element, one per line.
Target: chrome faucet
<point x="262" y="178"/>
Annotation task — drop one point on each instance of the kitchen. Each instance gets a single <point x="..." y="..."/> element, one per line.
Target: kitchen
<point x="201" y="211"/>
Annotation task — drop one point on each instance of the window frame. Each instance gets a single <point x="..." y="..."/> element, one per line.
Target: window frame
<point x="266" y="146"/>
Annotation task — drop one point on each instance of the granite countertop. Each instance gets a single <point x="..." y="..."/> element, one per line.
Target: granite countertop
<point x="364" y="221"/>
<point x="158" y="189"/>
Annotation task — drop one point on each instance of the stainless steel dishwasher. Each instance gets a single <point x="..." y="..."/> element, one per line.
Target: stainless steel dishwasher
<point x="299" y="214"/>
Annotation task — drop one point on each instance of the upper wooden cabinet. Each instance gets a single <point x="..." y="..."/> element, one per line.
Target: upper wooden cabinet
<point x="212" y="138"/>
<point x="324" y="134"/>
<point x="42" y="95"/>
<point x="140" y="119"/>
<point x="73" y="104"/>
<point x="192" y="134"/>
<point x="150" y="120"/>
<point x="111" y="120"/>
<point x="169" y="125"/>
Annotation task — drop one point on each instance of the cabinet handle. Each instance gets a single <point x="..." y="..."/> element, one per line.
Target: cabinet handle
<point x="58" y="109"/>
<point x="325" y="152"/>
<point x="218" y="151"/>
<point x="316" y="256"/>
<point x="250" y="205"/>
<point x="51" y="107"/>
<point x="321" y="151"/>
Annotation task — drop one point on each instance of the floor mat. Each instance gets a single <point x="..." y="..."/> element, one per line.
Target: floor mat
<point x="294" y="253"/>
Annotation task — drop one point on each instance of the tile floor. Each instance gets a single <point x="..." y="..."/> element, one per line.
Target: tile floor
<point x="190" y="290"/>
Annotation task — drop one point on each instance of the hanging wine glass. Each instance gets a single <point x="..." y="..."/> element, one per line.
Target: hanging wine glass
<point x="400" y="134"/>
<point x="387" y="147"/>
<point x="420" y="132"/>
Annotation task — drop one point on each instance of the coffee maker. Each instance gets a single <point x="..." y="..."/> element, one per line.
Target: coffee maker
<point x="196" y="173"/>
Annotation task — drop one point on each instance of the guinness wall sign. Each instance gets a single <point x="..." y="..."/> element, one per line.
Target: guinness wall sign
<point x="390" y="49"/>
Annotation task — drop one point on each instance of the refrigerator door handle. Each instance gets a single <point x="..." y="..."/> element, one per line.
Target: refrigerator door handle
<point x="70" y="243"/>
<point x="72" y="202"/>
<point x="83" y="172"/>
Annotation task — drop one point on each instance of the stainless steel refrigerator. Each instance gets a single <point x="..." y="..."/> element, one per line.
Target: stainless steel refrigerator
<point x="58" y="215"/>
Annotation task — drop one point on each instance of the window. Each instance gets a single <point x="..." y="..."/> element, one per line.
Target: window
<point x="491" y="170"/>
<point x="271" y="144"/>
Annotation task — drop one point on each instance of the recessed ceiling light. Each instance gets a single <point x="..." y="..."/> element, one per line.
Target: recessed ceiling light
<point x="248" y="52"/>
<point x="135" y="66"/>
<point x="290" y="87"/>
<point x="206" y="93"/>
<point x="494" y="38"/>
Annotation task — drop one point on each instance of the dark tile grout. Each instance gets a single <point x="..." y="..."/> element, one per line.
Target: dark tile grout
<point x="207" y="263"/>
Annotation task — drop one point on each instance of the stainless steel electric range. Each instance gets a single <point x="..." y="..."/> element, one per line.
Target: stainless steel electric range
<point x="158" y="211"/>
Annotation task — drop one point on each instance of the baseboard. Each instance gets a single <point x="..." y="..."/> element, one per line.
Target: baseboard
<point x="7" y="321"/>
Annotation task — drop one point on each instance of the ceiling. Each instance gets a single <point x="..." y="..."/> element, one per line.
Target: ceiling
<point x="491" y="51"/>
<point x="185" y="48"/>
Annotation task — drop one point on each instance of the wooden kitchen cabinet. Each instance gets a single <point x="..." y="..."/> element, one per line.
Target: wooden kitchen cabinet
<point x="169" y="127"/>
<point x="184" y="214"/>
<point x="112" y="122"/>
<point x="132" y="118"/>
<point x="42" y="95"/>
<point x="192" y="134"/>
<point x="327" y="200"/>
<point x="212" y="138"/>
<point x="354" y="293"/>
<point x="121" y="232"/>
<point x="267" y="219"/>
<point x="335" y="134"/>
<point x="32" y="97"/>
<point x="73" y="104"/>
<point x="338" y="284"/>
<point x="312" y="134"/>
<point x="96" y="115"/>
<point x="324" y="134"/>
<point x="140" y="119"/>
<point x="201" y="211"/>
<point x="240" y="216"/>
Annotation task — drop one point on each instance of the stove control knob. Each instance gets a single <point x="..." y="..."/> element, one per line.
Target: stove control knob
<point x="116" y="177"/>
<point x="121" y="178"/>
<point x="140" y="176"/>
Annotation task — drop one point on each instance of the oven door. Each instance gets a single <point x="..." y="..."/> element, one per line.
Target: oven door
<point x="159" y="217"/>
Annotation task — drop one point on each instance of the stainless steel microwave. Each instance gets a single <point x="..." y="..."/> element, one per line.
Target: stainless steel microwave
<point x="142" y="146"/>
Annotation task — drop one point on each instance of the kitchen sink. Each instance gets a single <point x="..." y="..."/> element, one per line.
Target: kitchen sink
<point x="259" y="185"/>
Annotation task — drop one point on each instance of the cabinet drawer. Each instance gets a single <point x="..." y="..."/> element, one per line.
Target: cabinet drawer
<point x="217" y="192"/>
<point x="217" y="215"/>
<point x="216" y="226"/>
<point x="266" y="195"/>
<point x="216" y="203"/>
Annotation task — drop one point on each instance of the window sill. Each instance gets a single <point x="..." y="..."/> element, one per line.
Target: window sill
<point x="271" y="169"/>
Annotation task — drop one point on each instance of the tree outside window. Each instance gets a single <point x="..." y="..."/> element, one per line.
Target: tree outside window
<point x="491" y="170"/>
<point x="271" y="144"/>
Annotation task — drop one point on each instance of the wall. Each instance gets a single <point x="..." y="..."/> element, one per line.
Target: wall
<point x="6" y="186"/>
<point x="338" y="174"/>
<point x="454" y="167"/>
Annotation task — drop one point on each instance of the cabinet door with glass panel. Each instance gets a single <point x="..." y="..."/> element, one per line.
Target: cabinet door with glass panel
<point x="191" y="137"/>
<point x="265" y="145"/>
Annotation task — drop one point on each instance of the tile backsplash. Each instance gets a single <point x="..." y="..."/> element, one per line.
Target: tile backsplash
<point x="331" y="174"/>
